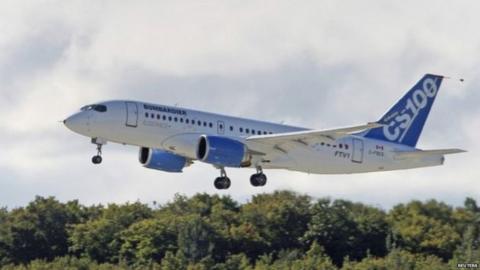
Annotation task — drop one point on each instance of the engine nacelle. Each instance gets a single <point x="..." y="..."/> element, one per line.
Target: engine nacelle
<point x="161" y="160"/>
<point x="222" y="151"/>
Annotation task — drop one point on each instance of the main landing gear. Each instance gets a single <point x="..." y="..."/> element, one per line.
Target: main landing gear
<point x="222" y="182"/>
<point x="259" y="179"/>
<point x="97" y="159"/>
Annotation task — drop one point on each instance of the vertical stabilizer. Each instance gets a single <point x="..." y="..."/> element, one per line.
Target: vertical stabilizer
<point x="404" y="122"/>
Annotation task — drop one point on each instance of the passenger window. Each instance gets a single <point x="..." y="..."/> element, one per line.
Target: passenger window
<point x="169" y="118"/>
<point x="334" y="146"/>
<point x="346" y="146"/>
<point x="158" y="116"/>
<point x="204" y="124"/>
<point x="164" y="117"/>
<point x="210" y="124"/>
<point x="322" y="144"/>
<point x="199" y="123"/>
<point x="271" y="132"/>
<point x="328" y="145"/>
<point x="247" y="130"/>
<point x="241" y="129"/>
<point x="175" y="119"/>
<point x="181" y="120"/>
<point x="187" y="121"/>
<point x="253" y="131"/>
<point x="231" y="128"/>
<point x="340" y="146"/>
<point x="264" y="133"/>
<point x="259" y="132"/>
<point x="152" y="115"/>
<point x="146" y="115"/>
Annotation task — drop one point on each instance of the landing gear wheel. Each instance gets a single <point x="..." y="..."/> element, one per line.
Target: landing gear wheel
<point x="97" y="159"/>
<point x="222" y="182"/>
<point x="262" y="179"/>
<point x="258" y="180"/>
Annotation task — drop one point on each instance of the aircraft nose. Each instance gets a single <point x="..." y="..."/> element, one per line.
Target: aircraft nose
<point x="76" y="123"/>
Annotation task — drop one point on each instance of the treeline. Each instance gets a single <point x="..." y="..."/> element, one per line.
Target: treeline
<point x="283" y="230"/>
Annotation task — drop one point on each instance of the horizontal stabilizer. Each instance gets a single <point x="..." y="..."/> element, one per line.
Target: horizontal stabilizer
<point x="427" y="153"/>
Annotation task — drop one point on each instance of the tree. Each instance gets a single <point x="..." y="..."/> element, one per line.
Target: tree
<point x="345" y="228"/>
<point x="425" y="228"/>
<point x="197" y="239"/>
<point x="234" y="262"/>
<point x="201" y="204"/>
<point x="147" y="241"/>
<point x="99" y="239"/>
<point x="174" y="262"/>
<point x="40" y="229"/>
<point x="467" y="224"/>
<point x="272" y="222"/>
<point x="282" y="230"/>
<point x="399" y="260"/>
<point x="5" y="238"/>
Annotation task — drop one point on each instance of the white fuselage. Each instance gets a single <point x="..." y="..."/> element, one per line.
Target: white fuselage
<point x="177" y="130"/>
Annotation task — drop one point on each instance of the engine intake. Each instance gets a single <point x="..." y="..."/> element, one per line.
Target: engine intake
<point x="161" y="160"/>
<point x="223" y="151"/>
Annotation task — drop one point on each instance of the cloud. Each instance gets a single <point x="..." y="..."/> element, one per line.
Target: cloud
<point x="315" y="64"/>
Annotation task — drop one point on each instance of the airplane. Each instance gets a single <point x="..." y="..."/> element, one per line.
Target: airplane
<point x="171" y="138"/>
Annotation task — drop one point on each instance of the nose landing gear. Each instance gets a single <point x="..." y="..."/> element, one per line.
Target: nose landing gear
<point x="97" y="159"/>
<point x="259" y="179"/>
<point x="222" y="182"/>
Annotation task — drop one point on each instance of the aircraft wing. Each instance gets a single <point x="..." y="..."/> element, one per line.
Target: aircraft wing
<point x="426" y="153"/>
<point x="303" y="137"/>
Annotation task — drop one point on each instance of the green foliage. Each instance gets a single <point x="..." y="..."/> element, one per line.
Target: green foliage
<point x="65" y="263"/>
<point x="345" y="228"/>
<point x="314" y="259"/>
<point x="282" y="230"/>
<point x="5" y="237"/>
<point x="196" y="239"/>
<point x="398" y="260"/>
<point x="425" y="228"/>
<point x="271" y="222"/>
<point x="147" y="241"/>
<point x="469" y="219"/>
<point x="174" y="262"/>
<point x="234" y="262"/>
<point x="100" y="239"/>
<point x="38" y="231"/>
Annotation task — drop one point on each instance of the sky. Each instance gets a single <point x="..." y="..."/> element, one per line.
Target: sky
<point x="317" y="64"/>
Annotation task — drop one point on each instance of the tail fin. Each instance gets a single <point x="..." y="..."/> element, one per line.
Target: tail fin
<point x="404" y="122"/>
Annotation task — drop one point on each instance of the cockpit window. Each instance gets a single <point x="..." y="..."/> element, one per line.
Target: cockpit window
<point x="98" y="108"/>
<point x="87" y="108"/>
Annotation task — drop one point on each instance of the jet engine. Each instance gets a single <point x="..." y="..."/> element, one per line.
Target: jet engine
<point x="161" y="160"/>
<point x="222" y="151"/>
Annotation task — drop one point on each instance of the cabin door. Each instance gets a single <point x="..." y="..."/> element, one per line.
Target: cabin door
<point x="357" y="156"/>
<point x="132" y="114"/>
